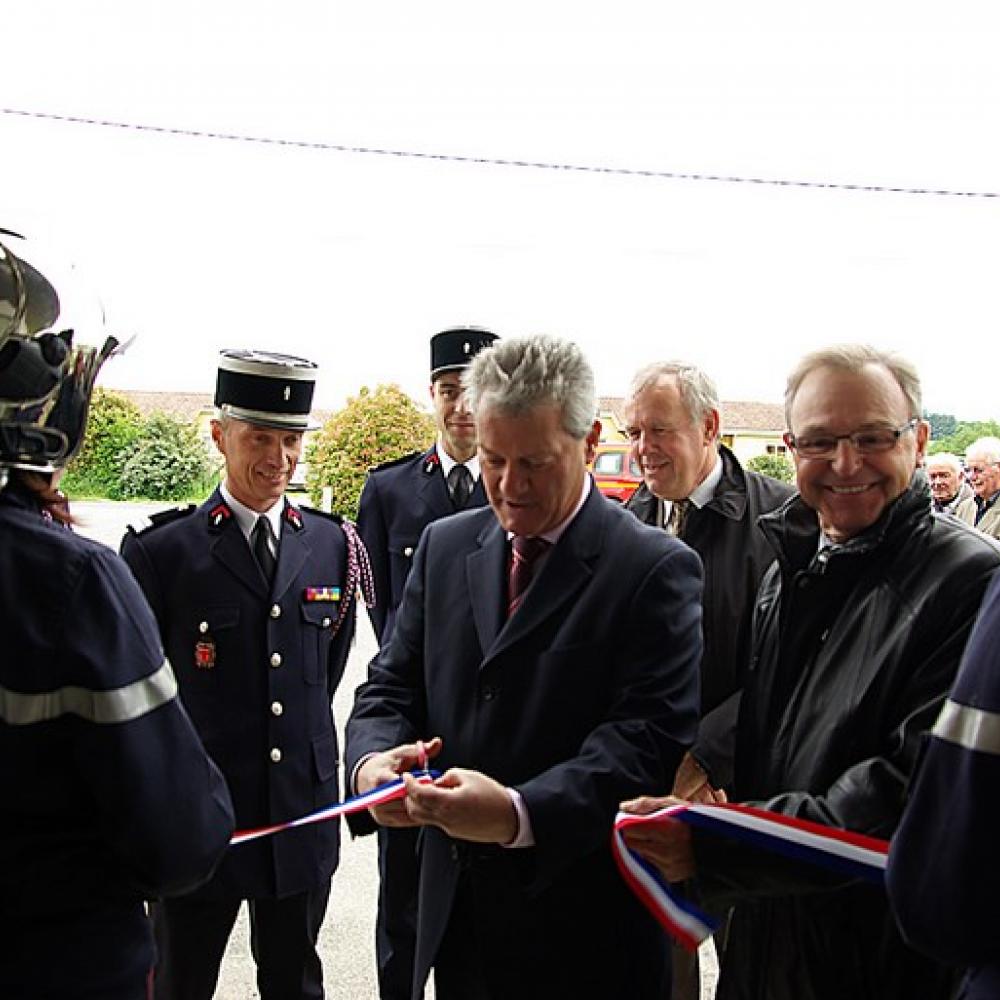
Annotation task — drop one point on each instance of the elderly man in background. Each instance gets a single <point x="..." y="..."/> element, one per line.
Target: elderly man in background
<point x="982" y="458"/>
<point x="547" y="650"/>
<point x="695" y="488"/>
<point x="947" y="479"/>
<point x="858" y="631"/>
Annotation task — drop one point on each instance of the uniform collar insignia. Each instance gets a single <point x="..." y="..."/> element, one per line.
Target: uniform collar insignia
<point x="294" y="517"/>
<point x="219" y="514"/>
<point x="431" y="462"/>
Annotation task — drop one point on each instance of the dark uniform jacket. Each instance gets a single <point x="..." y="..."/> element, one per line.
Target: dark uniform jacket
<point x="109" y="796"/>
<point x="735" y="555"/>
<point x="586" y="696"/>
<point x="257" y="671"/>
<point x="855" y="648"/>
<point x="398" y="501"/>
<point x="943" y="878"/>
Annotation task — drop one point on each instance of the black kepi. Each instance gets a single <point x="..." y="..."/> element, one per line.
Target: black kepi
<point x="455" y="348"/>
<point x="261" y="387"/>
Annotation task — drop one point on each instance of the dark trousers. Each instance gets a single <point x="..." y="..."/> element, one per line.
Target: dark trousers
<point x="396" y="925"/>
<point x="494" y="951"/>
<point x="191" y="935"/>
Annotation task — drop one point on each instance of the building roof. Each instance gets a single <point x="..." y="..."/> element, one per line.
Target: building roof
<point x="737" y="416"/>
<point x="184" y="405"/>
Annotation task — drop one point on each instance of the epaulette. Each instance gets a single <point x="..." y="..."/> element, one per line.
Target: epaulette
<point x="329" y="515"/>
<point x="393" y="462"/>
<point x="160" y="518"/>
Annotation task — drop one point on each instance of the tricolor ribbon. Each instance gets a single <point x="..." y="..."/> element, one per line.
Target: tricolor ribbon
<point x="841" y="850"/>
<point x="376" y="797"/>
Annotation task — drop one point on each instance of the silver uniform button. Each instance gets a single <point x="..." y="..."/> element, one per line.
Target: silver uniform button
<point x="276" y="755"/>
<point x="275" y="611"/>
<point x="276" y="659"/>
<point x="327" y="622"/>
<point x="408" y="551"/>
<point x="203" y="627"/>
<point x="277" y="708"/>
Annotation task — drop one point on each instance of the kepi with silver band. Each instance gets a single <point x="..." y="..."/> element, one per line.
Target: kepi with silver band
<point x="265" y="388"/>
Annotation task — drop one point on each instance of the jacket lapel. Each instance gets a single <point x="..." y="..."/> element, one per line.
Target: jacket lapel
<point x="432" y="490"/>
<point x="486" y="577"/>
<point x="293" y="551"/>
<point x="229" y="546"/>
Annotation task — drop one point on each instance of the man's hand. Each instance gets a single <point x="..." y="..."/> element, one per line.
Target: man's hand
<point x="667" y="844"/>
<point x="691" y="783"/>
<point x="465" y="804"/>
<point x="381" y="768"/>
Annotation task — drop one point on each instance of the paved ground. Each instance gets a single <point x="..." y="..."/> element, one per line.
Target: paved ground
<point x="347" y="939"/>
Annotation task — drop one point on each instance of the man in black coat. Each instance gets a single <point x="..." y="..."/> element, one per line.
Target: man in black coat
<point x="859" y="628"/>
<point x="695" y="487"/>
<point x="399" y="500"/>
<point x="547" y="651"/>
<point x="672" y="418"/>
<point x="254" y="599"/>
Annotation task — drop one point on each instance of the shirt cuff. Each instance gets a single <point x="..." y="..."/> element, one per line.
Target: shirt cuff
<point x="354" y="774"/>
<point x="525" y="836"/>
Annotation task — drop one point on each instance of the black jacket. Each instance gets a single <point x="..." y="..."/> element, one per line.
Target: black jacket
<point x="586" y="696"/>
<point x="855" y="647"/>
<point x="735" y="555"/>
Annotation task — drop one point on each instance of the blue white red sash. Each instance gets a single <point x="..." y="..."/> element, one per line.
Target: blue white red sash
<point x="852" y="853"/>
<point x="376" y="797"/>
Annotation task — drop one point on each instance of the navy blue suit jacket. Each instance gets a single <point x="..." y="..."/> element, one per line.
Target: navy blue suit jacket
<point x="398" y="501"/>
<point x="257" y="668"/>
<point x="587" y="696"/>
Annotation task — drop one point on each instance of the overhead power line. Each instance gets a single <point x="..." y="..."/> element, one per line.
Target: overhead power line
<point x="493" y="161"/>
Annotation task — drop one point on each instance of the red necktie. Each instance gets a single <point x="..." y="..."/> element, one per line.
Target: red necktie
<point x="524" y="553"/>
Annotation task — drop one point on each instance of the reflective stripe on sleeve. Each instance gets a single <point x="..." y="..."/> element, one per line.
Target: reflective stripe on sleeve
<point x="971" y="728"/>
<point x="123" y="704"/>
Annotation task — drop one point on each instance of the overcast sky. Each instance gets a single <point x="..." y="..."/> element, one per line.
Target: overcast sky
<point x="354" y="259"/>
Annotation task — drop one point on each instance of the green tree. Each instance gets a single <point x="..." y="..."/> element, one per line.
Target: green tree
<point x="372" y="427"/>
<point x="114" y="426"/>
<point x="169" y="462"/>
<point x="964" y="434"/>
<point x="774" y="465"/>
<point x="942" y="424"/>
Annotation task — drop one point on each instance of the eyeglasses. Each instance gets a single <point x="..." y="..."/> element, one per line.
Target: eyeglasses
<point x="864" y="442"/>
<point x="978" y="470"/>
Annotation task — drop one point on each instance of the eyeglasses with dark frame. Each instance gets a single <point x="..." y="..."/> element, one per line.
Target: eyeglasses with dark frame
<point x="863" y="442"/>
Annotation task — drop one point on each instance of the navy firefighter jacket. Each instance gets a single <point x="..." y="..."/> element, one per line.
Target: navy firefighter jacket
<point x="109" y="797"/>
<point x="399" y="499"/>
<point x="257" y="668"/>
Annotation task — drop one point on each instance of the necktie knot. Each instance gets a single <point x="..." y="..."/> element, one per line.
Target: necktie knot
<point x="459" y="485"/>
<point x="262" y="543"/>
<point x="524" y="554"/>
